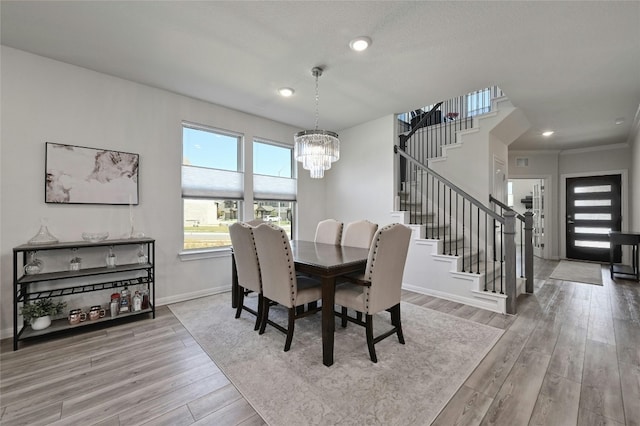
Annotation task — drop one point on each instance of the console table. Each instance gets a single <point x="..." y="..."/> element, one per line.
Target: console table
<point x="625" y="239"/>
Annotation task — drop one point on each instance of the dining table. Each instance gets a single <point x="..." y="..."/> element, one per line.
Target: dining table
<point x="327" y="262"/>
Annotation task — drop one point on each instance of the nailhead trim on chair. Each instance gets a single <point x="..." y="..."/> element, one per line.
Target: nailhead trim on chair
<point x="285" y="240"/>
<point x="373" y="261"/>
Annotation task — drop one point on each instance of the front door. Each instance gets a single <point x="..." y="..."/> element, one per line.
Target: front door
<point x="593" y="209"/>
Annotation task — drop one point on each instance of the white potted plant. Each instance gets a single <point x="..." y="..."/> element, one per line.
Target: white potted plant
<point x="39" y="313"/>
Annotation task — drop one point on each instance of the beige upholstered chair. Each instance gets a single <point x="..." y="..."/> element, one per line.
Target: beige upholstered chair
<point x="254" y="222"/>
<point x="247" y="267"/>
<point x="279" y="281"/>
<point x="329" y="232"/>
<point x="382" y="284"/>
<point x="358" y="234"/>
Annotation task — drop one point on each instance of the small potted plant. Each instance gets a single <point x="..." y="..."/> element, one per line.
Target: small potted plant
<point x="39" y="313"/>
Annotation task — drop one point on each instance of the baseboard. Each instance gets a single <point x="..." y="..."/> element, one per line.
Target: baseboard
<point x="194" y="295"/>
<point x="493" y="304"/>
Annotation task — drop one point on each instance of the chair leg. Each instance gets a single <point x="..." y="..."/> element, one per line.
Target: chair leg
<point x="292" y="321"/>
<point x="240" y="295"/>
<point x="344" y="317"/>
<point x="359" y="316"/>
<point x="260" y="309"/>
<point x="370" y="344"/>
<point x="397" y="322"/>
<point x="312" y="305"/>
<point x="265" y="314"/>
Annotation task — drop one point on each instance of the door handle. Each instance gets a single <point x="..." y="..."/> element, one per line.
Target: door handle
<point x="570" y="222"/>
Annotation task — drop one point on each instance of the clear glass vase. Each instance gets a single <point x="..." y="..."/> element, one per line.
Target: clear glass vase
<point x="43" y="236"/>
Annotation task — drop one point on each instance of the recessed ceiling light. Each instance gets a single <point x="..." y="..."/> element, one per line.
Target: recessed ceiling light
<point x="359" y="44"/>
<point x="619" y="121"/>
<point x="286" y="91"/>
<point x="547" y="133"/>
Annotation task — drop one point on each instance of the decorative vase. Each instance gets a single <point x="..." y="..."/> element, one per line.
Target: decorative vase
<point x="34" y="266"/>
<point x="41" y="323"/>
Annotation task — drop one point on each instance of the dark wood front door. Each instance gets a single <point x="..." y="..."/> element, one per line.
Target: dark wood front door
<point x="593" y="210"/>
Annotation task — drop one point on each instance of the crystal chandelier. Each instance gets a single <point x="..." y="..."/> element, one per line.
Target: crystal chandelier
<point x="316" y="149"/>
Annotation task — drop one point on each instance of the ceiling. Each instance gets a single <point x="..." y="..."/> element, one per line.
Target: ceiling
<point x="573" y="67"/>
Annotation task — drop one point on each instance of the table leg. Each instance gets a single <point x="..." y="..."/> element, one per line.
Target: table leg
<point x="328" y="320"/>
<point x="234" y="282"/>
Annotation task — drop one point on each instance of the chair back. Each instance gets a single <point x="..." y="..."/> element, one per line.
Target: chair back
<point x="254" y="222"/>
<point x="246" y="257"/>
<point x="329" y="231"/>
<point x="385" y="267"/>
<point x="359" y="234"/>
<point x="276" y="264"/>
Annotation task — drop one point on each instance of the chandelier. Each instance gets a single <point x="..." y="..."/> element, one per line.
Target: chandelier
<point x="316" y="149"/>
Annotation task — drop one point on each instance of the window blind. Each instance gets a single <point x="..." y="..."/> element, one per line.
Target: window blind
<point x="211" y="183"/>
<point x="274" y="188"/>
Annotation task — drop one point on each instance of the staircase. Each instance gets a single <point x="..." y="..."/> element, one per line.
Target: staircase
<point x="462" y="250"/>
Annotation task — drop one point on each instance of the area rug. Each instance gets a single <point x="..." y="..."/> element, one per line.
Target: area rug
<point x="409" y="385"/>
<point x="578" y="272"/>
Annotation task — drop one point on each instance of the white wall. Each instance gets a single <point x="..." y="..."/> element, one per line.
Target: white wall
<point x="49" y="101"/>
<point x="554" y="164"/>
<point x="360" y="185"/>
<point x="634" y="190"/>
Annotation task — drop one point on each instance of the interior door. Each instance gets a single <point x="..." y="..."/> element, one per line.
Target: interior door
<point x="593" y="209"/>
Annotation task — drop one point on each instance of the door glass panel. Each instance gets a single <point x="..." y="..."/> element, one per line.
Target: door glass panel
<point x="593" y="216"/>
<point x="584" y="230"/>
<point x="590" y="203"/>
<point x="593" y="244"/>
<point x="589" y="189"/>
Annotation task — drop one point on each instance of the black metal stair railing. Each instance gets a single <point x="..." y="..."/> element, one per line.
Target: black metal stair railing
<point x="467" y="228"/>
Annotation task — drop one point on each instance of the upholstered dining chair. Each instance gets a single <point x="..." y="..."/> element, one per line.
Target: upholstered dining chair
<point x="279" y="281"/>
<point x="254" y="222"/>
<point x="247" y="267"/>
<point x="329" y="231"/>
<point x="358" y="234"/>
<point x="382" y="284"/>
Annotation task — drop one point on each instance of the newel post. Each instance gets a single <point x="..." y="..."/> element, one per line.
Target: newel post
<point x="510" y="260"/>
<point x="528" y="251"/>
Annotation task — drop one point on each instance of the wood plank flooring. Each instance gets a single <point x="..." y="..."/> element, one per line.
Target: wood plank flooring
<point x="570" y="357"/>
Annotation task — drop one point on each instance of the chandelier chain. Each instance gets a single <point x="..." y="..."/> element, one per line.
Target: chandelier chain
<point x="317" y="101"/>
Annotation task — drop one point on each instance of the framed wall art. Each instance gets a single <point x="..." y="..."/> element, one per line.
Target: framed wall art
<point x="81" y="175"/>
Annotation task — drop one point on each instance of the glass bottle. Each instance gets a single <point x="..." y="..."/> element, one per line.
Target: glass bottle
<point x="111" y="258"/>
<point x="114" y="306"/>
<point x="125" y="301"/>
<point x="145" y="298"/>
<point x="142" y="257"/>
<point x="137" y="302"/>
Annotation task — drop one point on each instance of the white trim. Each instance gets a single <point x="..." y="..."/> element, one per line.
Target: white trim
<point x="493" y="302"/>
<point x="193" y="295"/>
<point x="594" y="149"/>
<point x="534" y="152"/>
<point x="624" y="178"/>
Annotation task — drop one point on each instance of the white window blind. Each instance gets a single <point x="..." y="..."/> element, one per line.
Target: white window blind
<point x="211" y="183"/>
<point x="274" y="188"/>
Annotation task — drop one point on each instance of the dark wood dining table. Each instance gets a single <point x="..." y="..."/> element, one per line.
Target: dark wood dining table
<point x="325" y="261"/>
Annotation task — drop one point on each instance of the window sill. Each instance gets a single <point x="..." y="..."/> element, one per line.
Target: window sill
<point x="188" y="255"/>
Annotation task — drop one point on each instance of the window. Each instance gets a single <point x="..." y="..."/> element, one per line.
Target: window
<point x="274" y="184"/>
<point x="212" y="185"/>
<point x="478" y="102"/>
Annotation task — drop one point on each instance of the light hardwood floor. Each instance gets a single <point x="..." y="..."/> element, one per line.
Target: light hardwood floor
<point x="570" y="356"/>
